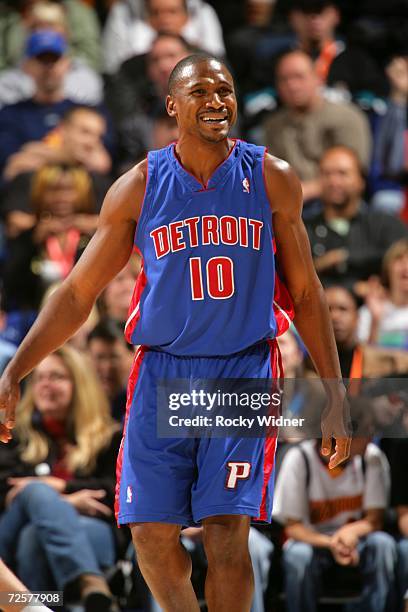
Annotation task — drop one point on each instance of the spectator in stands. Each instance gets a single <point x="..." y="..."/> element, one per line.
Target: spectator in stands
<point x="389" y="171"/>
<point x="397" y="452"/>
<point x="343" y="306"/>
<point x="348" y="240"/>
<point x="133" y="25"/>
<point x="112" y="358"/>
<point x="137" y="93"/>
<point x="82" y="84"/>
<point x="17" y="20"/>
<point x="307" y="124"/>
<point x="33" y="119"/>
<point x="62" y="224"/>
<point x="115" y="299"/>
<point x="302" y="397"/>
<point x="57" y="482"/>
<point x="164" y="130"/>
<point x="78" y="139"/>
<point x="384" y="317"/>
<point x="337" y="64"/>
<point x="332" y="518"/>
<point x="291" y="353"/>
<point x="251" y="47"/>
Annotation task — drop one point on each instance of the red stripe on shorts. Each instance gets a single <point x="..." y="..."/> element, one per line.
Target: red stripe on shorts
<point x="133" y="377"/>
<point x="272" y="434"/>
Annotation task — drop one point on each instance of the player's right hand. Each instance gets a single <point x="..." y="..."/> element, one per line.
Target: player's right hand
<point x="9" y="397"/>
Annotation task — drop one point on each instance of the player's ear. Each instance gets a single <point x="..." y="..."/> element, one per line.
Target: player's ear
<point x="171" y="106"/>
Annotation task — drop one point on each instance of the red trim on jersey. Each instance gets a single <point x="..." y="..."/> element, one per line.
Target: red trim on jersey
<point x="205" y="185"/>
<point x="283" y="307"/>
<point x="134" y="311"/>
<point x="145" y="191"/>
<point x="133" y="377"/>
<point x="271" y="435"/>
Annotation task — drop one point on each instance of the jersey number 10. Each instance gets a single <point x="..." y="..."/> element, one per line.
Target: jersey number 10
<point x="220" y="278"/>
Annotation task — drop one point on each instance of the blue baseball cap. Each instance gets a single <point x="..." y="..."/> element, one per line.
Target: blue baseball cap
<point x="45" y="41"/>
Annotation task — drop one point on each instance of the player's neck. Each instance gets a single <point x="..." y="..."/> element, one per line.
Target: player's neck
<point x="201" y="158"/>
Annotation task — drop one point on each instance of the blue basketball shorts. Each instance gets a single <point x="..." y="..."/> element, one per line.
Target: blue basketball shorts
<point x="184" y="480"/>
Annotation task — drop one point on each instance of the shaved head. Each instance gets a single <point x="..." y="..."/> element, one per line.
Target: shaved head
<point x="183" y="68"/>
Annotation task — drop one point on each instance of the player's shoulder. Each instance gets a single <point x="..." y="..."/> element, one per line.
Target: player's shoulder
<point x="131" y="182"/>
<point x="282" y="183"/>
<point x="126" y="194"/>
<point x="277" y="167"/>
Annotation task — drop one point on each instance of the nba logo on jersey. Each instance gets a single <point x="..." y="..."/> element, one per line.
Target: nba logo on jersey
<point x="129" y="495"/>
<point x="245" y="184"/>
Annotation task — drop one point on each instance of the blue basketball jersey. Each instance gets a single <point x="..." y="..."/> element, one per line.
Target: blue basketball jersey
<point x="208" y="284"/>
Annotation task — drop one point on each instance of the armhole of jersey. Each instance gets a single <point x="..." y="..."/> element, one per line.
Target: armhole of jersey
<point x="147" y="199"/>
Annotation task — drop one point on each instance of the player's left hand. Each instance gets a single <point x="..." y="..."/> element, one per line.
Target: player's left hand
<point x="335" y="424"/>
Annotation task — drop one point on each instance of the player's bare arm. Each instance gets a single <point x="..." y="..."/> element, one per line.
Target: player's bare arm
<point x="107" y="253"/>
<point x="311" y="312"/>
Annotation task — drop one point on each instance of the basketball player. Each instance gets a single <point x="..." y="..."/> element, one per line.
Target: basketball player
<point x="206" y="214"/>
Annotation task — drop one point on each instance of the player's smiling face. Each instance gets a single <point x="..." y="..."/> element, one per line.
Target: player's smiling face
<point x="204" y="102"/>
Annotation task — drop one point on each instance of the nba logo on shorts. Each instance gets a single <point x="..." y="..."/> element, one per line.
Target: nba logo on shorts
<point x="245" y="184"/>
<point x="129" y="495"/>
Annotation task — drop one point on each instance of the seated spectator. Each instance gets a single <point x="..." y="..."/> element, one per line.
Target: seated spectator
<point x="388" y="175"/>
<point x="112" y="358"/>
<point x="164" y="130"/>
<point x="137" y="94"/>
<point x="307" y="124"/>
<point x="133" y="25"/>
<point x="77" y="139"/>
<point x="58" y="482"/>
<point x="343" y="306"/>
<point x="16" y="21"/>
<point x="291" y="353"/>
<point x="250" y="49"/>
<point x="54" y="236"/>
<point x="348" y="240"/>
<point x="338" y="63"/>
<point x="79" y="340"/>
<point x="114" y="301"/>
<point x="31" y="120"/>
<point x="302" y="397"/>
<point x="384" y="317"/>
<point x="333" y="518"/>
<point x="358" y="360"/>
<point x="81" y="84"/>
<point x="397" y="453"/>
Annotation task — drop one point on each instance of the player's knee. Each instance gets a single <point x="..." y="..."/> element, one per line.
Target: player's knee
<point x="154" y="538"/>
<point x="226" y="541"/>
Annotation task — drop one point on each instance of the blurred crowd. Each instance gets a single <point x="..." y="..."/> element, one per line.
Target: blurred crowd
<point x="324" y="85"/>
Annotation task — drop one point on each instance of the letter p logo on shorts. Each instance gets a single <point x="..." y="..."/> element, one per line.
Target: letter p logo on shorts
<point x="238" y="470"/>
